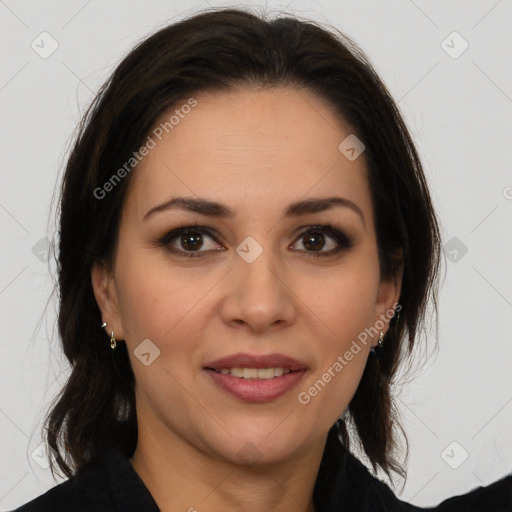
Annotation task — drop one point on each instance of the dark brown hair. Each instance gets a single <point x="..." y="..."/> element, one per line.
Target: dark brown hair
<point x="217" y="50"/>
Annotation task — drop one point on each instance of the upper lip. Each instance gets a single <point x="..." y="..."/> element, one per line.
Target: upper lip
<point x="244" y="360"/>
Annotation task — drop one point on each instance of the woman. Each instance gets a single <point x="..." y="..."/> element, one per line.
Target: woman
<point x="247" y="251"/>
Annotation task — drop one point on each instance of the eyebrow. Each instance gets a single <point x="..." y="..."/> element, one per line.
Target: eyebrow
<point x="215" y="209"/>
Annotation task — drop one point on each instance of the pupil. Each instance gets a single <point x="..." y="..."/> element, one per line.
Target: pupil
<point x="192" y="241"/>
<point x="309" y="240"/>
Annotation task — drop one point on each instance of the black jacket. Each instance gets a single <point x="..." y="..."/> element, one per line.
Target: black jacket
<point x="111" y="484"/>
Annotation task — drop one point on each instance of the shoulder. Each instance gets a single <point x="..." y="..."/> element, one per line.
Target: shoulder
<point x="107" y="484"/>
<point x="86" y="490"/>
<point x="496" y="497"/>
<point x="378" y="497"/>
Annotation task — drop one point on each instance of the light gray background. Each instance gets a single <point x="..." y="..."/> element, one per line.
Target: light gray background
<point x="458" y="111"/>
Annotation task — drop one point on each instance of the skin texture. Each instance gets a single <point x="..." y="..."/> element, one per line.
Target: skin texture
<point x="255" y="150"/>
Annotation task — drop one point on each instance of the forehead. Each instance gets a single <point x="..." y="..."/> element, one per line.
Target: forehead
<point x="272" y="146"/>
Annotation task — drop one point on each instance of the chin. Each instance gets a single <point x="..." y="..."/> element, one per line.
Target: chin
<point x="254" y="445"/>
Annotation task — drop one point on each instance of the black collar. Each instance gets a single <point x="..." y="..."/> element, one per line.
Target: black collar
<point x="343" y="485"/>
<point x="127" y="488"/>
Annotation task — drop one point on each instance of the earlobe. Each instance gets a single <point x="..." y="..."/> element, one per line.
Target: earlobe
<point x="105" y="293"/>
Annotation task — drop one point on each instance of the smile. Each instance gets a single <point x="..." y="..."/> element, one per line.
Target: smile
<point x="255" y="389"/>
<point x="253" y="373"/>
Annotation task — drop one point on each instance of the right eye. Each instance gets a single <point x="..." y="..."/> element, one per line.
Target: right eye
<point x="190" y="238"/>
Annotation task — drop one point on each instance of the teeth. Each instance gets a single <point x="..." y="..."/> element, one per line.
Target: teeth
<point x="255" y="373"/>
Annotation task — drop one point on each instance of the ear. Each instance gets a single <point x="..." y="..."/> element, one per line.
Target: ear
<point x="389" y="292"/>
<point x="105" y="293"/>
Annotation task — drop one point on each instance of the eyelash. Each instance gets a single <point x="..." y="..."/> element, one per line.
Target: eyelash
<point x="343" y="240"/>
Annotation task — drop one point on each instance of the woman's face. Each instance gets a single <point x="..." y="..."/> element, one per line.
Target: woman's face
<point x="262" y="280"/>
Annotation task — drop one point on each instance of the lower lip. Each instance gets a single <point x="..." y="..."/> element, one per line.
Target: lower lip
<point x="256" y="390"/>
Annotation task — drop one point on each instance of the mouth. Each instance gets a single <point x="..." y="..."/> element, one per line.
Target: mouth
<point x="254" y="373"/>
<point x="244" y="364"/>
<point x="255" y="378"/>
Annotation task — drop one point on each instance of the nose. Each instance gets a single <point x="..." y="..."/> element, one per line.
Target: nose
<point x="259" y="295"/>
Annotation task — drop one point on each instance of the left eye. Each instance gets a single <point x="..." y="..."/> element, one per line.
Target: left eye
<point x="314" y="238"/>
<point x="191" y="239"/>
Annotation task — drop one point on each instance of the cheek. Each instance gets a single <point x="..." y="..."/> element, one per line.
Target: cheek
<point x="345" y="307"/>
<point x="163" y="308"/>
<point x="344" y="300"/>
<point x="166" y="305"/>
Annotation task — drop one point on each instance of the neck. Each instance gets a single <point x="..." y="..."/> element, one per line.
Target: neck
<point x="179" y="476"/>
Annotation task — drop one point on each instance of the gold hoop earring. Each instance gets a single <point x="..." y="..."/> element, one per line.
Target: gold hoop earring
<point x="377" y="350"/>
<point x="113" y="343"/>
